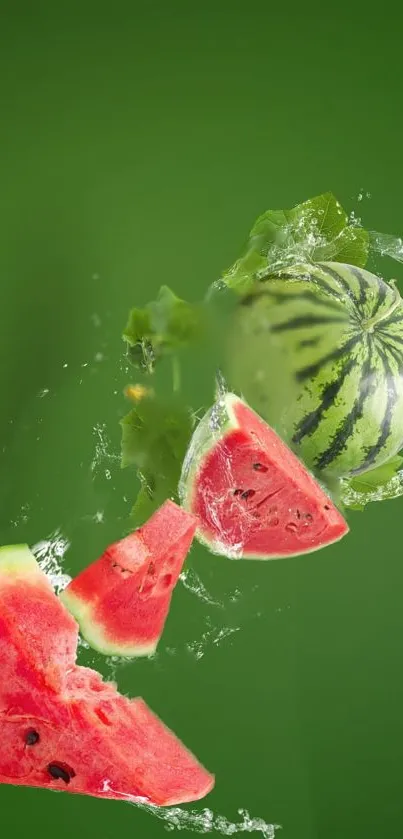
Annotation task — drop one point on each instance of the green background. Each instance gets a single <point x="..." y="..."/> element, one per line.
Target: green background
<point x="139" y="141"/>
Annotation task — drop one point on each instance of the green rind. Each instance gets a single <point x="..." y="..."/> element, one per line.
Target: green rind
<point x="93" y="634"/>
<point x="340" y="329"/>
<point x="17" y="560"/>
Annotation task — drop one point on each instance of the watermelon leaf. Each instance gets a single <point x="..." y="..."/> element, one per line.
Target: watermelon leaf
<point x="350" y="246"/>
<point x="381" y="484"/>
<point x="314" y="231"/>
<point x="155" y="436"/>
<point x="163" y="327"/>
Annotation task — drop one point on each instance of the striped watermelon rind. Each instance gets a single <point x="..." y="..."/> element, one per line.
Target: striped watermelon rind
<point x="339" y="330"/>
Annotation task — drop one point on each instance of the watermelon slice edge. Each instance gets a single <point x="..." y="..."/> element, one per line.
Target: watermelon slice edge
<point x="253" y="497"/>
<point x="74" y="732"/>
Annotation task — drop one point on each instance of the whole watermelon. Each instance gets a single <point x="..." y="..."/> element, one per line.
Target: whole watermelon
<point x="318" y="351"/>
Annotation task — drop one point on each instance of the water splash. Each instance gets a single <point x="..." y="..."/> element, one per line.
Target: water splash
<point x="50" y="554"/>
<point x="103" y="450"/>
<point x="363" y="194"/>
<point x="386" y="245"/>
<point x="206" y="821"/>
<point x="203" y="821"/>
<point x="22" y="517"/>
<point x="221" y="386"/>
<point x="212" y="635"/>
<point x="192" y="582"/>
<point x="358" y="499"/>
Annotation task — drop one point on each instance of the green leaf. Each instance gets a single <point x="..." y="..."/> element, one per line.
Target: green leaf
<point x="314" y="231"/>
<point x="137" y="334"/>
<point x="350" y="246"/>
<point x="161" y="328"/>
<point x="381" y="484"/>
<point x="174" y="321"/>
<point x="241" y="276"/>
<point x="155" y="436"/>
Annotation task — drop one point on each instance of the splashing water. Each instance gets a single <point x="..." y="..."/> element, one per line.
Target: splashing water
<point x="103" y="452"/>
<point x="211" y="636"/>
<point x="22" y="517"/>
<point x="221" y="386"/>
<point x="50" y="554"/>
<point x="386" y="245"/>
<point x="192" y="582"/>
<point x="358" y="499"/>
<point x="205" y="821"/>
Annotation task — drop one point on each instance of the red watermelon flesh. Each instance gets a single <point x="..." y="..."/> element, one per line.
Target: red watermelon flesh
<point x="121" y="601"/>
<point x="252" y="495"/>
<point x="83" y="737"/>
<point x="45" y="655"/>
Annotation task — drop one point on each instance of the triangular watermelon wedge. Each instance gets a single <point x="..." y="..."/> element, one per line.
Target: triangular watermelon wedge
<point x="253" y="497"/>
<point x="121" y="601"/>
<point x="73" y="732"/>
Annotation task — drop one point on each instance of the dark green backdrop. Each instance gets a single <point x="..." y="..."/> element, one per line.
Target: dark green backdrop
<point x="138" y="142"/>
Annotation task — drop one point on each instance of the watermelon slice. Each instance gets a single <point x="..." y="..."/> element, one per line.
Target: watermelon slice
<point x="253" y="497"/>
<point x="62" y="727"/>
<point x="122" y="600"/>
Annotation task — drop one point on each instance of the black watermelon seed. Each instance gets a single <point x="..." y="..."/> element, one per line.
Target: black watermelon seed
<point x="259" y="467"/>
<point x="238" y="491"/>
<point x="61" y="771"/>
<point x="31" y="737"/>
<point x="249" y="493"/>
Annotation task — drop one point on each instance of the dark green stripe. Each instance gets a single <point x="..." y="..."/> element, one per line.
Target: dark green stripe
<point x="312" y="369"/>
<point x="305" y="321"/>
<point x="397" y="339"/>
<point x="341" y="280"/>
<point x="310" y="423"/>
<point x="363" y="283"/>
<point x="395" y="317"/>
<point x="393" y="351"/>
<point x="310" y="342"/>
<point x="317" y="280"/>
<point x="310" y="296"/>
<point x="380" y="298"/>
<point x="281" y="297"/>
<point x="346" y="428"/>
<point x="386" y="424"/>
<point x="248" y="299"/>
